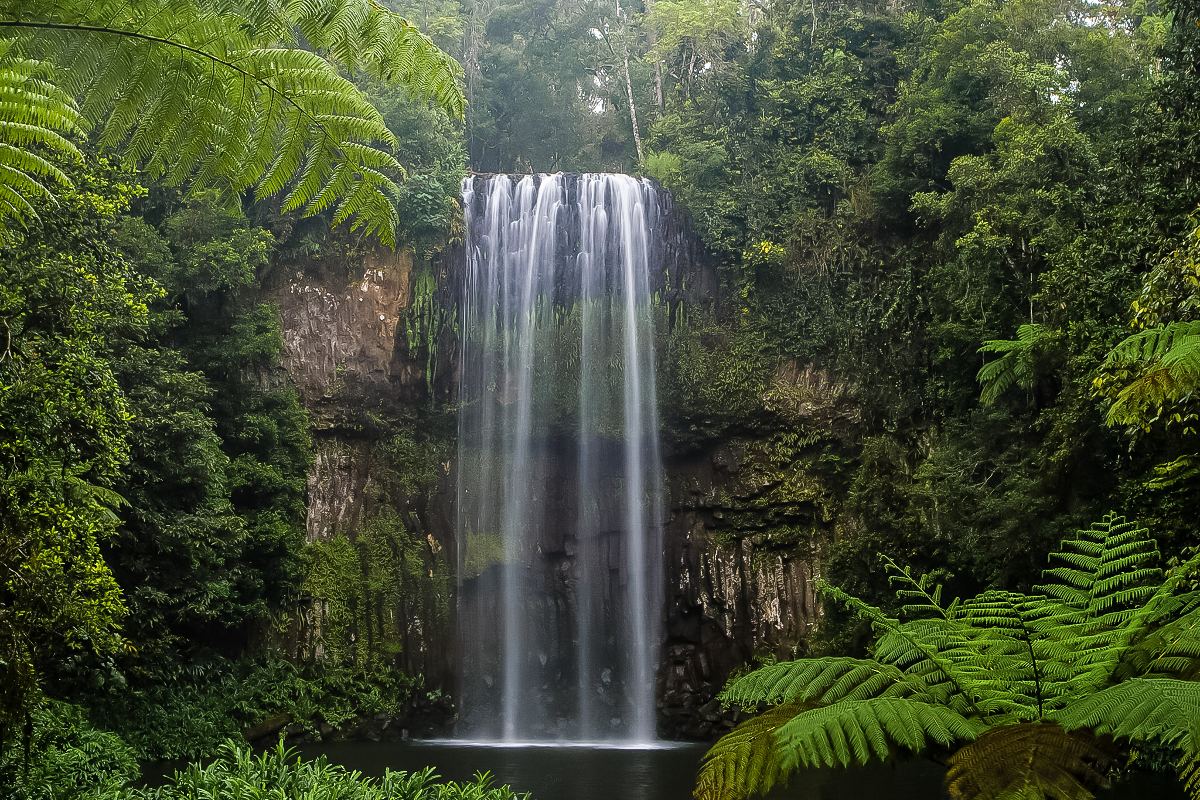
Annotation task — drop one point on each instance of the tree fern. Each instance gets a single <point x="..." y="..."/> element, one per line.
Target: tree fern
<point x="860" y="731"/>
<point x="218" y="92"/>
<point x="1042" y="760"/>
<point x="745" y="761"/>
<point x="1015" y="686"/>
<point x="1016" y="364"/>
<point x="37" y="124"/>
<point x="1160" y="711"/>
<point x="1163" y="366"/>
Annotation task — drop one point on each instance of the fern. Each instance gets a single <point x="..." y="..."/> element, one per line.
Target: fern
<point x="920" y="597"/>
<point x="37" y="124"/>
<point x="821" y="680"/>
<point x="1039" y="760"/>
<point x="1021" y="683"/>
<point x="217" y="92"/>
<point x="1165" y="362"/>
<point x="1161" y="711"/>
<point x="859" y="731"/>
<point x="745" y="761"/>
<point x="1016" y="364"/>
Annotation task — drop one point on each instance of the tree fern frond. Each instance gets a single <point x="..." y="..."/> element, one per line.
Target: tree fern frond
<point x="37" y="123"/>
<point x="1145" y="710"/>
<point x="1166" y="366"/>
<point x="1172" y="649"/>
<point x="1188" y="769"/>
<point x="364" y="35"/>
<point x="858" y="731"/>
<point x="1028" y="760"/>
<point x="919" y="597"/>
<point x="1016" y="365"/>
<point x="745" y="761"/>
<point x="819" y="680"/>
<point x="219" y="93"/>
<point x="937" y="649"/>
<point x="1105" y="571"/>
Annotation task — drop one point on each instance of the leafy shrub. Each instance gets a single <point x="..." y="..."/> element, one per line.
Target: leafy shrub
<point x="281" y="774"/>
<point x="192" y="719"/>
<point x="68" y="759"/>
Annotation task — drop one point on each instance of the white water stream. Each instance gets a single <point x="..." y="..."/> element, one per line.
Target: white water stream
<point x="559" y="484"/>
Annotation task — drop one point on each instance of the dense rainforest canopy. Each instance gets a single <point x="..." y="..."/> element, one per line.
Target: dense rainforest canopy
<point x="964" y="231"/>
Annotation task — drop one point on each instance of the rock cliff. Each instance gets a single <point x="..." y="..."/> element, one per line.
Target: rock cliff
<point x="369" y="342"/>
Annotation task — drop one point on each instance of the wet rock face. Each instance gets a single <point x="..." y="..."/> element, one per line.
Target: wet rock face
<point x="743" y="548"/>
<point x="339" y="336"/>
<point x="746" y="518"/>
<point x="347" y="354"/>
<point x="339" y="332"/>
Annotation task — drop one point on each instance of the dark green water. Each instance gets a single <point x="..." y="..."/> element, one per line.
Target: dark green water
<point x="664" y="773"/>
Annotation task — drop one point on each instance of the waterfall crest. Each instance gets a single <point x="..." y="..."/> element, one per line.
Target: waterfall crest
<point x="559" y="485"/>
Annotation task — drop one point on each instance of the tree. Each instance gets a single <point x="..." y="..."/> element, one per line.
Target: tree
<point x="1017" y="364"/>
<point x="219" y="93"/>
<point x="66" y="298"/>
<point x="1023" y="691"/>
<point x="1149" y="378"/>
<point x="1161" y="366"/>
<point x="211" y="541"/>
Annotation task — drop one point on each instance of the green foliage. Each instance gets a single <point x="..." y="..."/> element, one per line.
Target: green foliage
<point x="210" y="544"/>
<point x="221" y="93"/>
<point x="73" y="761"/>
<point x="1019" y="688"/>
<point x="280" y="773"/>
<point x="1016" y="364"/>
<point x="742" y="761"/>
<point x="1166" y="362"/>
<point x="68" y="299"/>
<point x="715" y="378"/>
<point x="68" y="759"/>
<point x="218" y="700"/>
<point x="1148" y="379"/>
<point x="702" y="29"/>
<point x="885" y="188"/>
<point x="545" y="86"/>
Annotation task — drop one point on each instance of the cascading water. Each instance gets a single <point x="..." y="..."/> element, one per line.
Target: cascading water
<point x="559" y="471"/>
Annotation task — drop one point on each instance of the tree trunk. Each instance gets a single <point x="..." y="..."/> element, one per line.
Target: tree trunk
<point x="652" y="39"/>
<point x="637" y="136"/>
<point x="633" y="121"/>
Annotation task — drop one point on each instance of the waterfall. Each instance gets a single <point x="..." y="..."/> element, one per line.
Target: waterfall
<point x="559" y="474"/>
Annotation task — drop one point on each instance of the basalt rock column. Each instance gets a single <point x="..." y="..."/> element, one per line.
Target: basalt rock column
<point x="559" y="485"/>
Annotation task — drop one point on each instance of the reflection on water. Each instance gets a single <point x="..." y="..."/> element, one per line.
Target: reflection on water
<point x="605" y="772"/>
<point x="666" y="772"/>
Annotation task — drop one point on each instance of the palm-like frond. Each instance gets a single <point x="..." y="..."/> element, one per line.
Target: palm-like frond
<point x="1032" y="760"/>
<point x="219" y="92"/>
<point x="1017" y="665"/>
<point x="919" y="595"/>
<point x="746" y="760"/>
<point x="1172" y="649"/>
<point x="821" y="680"/>
<point x="859" y="731"/>
<point x="1144" y="710"/>
<point x="37" y="123"/>
<point x="364" y="35"/>
<point x="1166" y="369"/>
<point x="1016" y="364"/>
<point x="1105" y="573"/>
